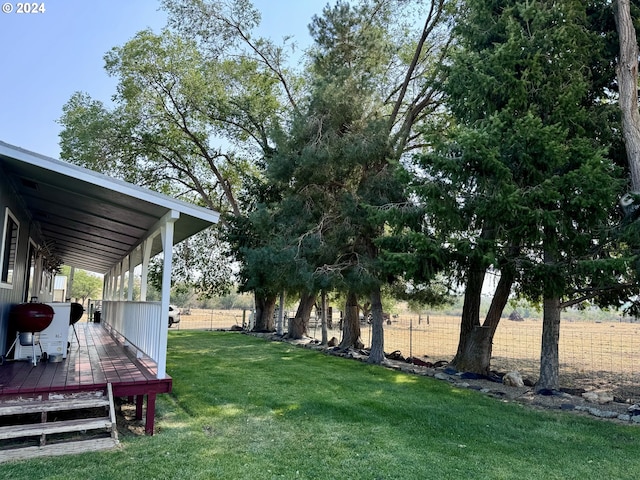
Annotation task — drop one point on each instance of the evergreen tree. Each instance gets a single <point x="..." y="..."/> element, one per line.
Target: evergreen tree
<point x="522" y="182"/>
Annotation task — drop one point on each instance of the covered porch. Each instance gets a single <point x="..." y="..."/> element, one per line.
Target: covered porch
<point x="87" y="220"/>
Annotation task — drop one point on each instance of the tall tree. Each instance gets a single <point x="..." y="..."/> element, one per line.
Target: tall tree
<point x="194" y="109"/>
<point x="628" y="87"/>
<point x="369" y="89"/>
<point x="510" y="180"/>
<point x="85" y="285"/>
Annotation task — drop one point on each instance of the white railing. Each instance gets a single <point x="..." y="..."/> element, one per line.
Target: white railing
<point x="139" y="323"/>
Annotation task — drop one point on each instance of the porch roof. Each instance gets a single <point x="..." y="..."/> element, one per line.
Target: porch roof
<point x="90" y="220"/>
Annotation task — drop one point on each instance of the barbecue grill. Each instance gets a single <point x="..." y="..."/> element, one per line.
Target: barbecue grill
<point x="29" y="319"/>
<point x="77" y="310"/>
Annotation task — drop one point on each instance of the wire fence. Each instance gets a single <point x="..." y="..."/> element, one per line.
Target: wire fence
<point x="593" y="355"/>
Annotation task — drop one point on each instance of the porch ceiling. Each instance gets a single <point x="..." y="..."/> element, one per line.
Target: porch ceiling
<point x="92" y="221"/>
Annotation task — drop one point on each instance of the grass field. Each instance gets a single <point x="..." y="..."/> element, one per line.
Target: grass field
<point x="595" y="355"/>
<point x="245" y="408"/>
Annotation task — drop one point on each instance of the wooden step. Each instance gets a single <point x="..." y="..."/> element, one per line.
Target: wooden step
<point x="39" y="406"/>
<point x="35" y="429"/>
<point x="83" y="403"/>
<point x="26" y="453"/>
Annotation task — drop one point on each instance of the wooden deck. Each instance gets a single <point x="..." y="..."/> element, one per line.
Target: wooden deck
<point x="98" y="359"/>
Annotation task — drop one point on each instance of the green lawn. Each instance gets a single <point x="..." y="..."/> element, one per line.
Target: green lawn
<point x="244" y="408"/>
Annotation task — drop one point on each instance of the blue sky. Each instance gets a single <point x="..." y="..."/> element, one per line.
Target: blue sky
<point x="46" y="57"/>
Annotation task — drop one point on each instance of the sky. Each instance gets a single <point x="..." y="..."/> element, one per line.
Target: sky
<point x="47" y="56"/>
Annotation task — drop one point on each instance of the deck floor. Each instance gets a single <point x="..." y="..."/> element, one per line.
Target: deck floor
<point x="98" y="359"/>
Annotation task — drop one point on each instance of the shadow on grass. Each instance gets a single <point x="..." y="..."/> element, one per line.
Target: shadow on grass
<point x="238" y="410"/>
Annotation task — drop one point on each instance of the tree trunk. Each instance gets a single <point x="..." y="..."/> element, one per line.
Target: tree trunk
<point x="298" y="325"/>
<point x="476" y="356"/>
<point x="549" y="356"/>
<point x="377" y="329"/>
<point x="627" y="71"/>
<point x="351" y="324"/>
<point x="265" y="308"/>
<point x="280" y="324"/>
<point x="470" y="314"/>
<point x="325" y="335"/>
<point x="478" y="344"/>
<point x="549" y="361"/>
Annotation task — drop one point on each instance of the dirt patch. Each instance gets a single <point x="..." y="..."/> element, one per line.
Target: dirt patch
<point x="128" y="425"/>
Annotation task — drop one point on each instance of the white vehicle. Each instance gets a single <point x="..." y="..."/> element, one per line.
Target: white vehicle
<point x="174" y="315"/>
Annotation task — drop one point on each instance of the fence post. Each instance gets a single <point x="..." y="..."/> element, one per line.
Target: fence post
<point x="411" y="337"/>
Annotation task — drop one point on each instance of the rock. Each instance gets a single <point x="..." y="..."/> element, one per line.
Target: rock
<point x="573" y="391"/>
<point x="635" y="419"/>
<point x="513" y="379"/>
<point x="497" y="393"/>
<point x="634" y="410"/>
<point x="598" y="397"/>
<point x="417" y="361"/>
<point x="450" y="371"/>
<point x="396" y="355"/>
<point x="605" y="397"/>
<point x="624" y="418"/>
<point x="547" y="392"/>
<point x="567" y="406"/>
<point x="441" y="376"/>
<point x="472" y="376"/>
<point x="602" y="413"/>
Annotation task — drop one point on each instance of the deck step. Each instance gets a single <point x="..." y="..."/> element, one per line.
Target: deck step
<point x="37" y="406"/>
<point x="90" y="414"/>
<point x="48" y="428"/>
<point x="26" y="453"/>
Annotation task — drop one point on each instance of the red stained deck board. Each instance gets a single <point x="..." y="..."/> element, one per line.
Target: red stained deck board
<point x="98" y="359"/>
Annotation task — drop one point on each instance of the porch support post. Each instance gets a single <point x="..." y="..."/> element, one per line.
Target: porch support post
<point x="139" y="406"/>
<point x="121" y="270"/>
<point x="72" y="273"/>
<point x="151" y="414"/>
<point x="144" y="276"/>
<point x="108" y="285"/>
<point x="114" y="282"/>
<point x="105" y="286"/>
<point x="166" y="231"/>
<point x="130" y="284"/>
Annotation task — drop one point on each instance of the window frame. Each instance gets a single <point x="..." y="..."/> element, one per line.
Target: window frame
<point x="8" y="269"/>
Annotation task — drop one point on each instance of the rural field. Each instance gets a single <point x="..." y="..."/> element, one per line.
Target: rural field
<point x="593" y="355"/>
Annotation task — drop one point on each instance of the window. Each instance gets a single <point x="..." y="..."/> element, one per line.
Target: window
<point x="9" y="248"/>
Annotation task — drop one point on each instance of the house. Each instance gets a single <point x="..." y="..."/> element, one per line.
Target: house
<point x="60" y="292"/>
<point x="54" y="213"/>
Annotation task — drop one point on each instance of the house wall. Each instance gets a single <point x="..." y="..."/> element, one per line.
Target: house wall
<point x="17" y="292"/>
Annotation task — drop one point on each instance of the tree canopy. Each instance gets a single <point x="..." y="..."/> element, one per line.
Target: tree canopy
<point x="418" y="146"/>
